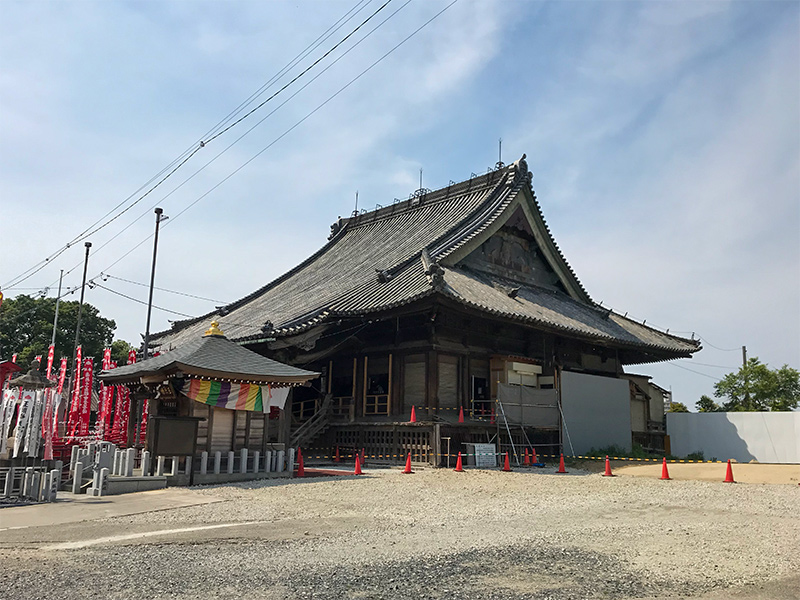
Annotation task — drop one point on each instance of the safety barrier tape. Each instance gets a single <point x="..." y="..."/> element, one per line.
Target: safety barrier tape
<point x="351" y="455"/>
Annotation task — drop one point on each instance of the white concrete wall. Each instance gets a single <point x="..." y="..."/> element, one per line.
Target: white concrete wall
<point x="768" y="437"/>
<point x="597" y="411"/>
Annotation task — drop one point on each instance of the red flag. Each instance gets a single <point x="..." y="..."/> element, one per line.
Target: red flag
<point x="131" y="357"/>
<point x="76" y="389"/>
<point x="50" y="355"/>
<point x="13" y="358"/>
<point x="104" y="408"/>
<point x="62" y="374"/>
<point x="85" y="406"/>
<point x="38" y="358"/>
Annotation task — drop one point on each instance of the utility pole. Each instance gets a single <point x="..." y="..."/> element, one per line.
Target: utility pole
<point x="136" y="409"/>
<point x="58" y="301"/>
<point x="744" y="373"/>
<point x="159" y="218"/>
<point x="73" y="378"/>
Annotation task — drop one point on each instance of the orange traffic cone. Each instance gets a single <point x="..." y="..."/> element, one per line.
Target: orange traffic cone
<point x="413" y="416"/>
<point x="561" y="468"/>
<point x="408" y="470"/>
<point x="336" y="457"/>
<point x="664" y="470"/>
<point x="461" y="415"/>
<point x="534" y="458"/>
<point x="358" y="467"/>
<point x="301" y="470"/>
<point x="527" y="461"/>
<point x="729" y="474"/>
<point x="608" y="472"/>
<point x="506" y="464"/>
<point x="459" y="467"/>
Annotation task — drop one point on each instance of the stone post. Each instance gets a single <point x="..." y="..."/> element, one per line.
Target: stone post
<point x="55" y="482"/>
<point x="268" y="461"/>
<point x="290" y="462"/>
<point x="131" y="456"/>
<point x="160" y="466"/>
<point x="174" y="466"/>
<point x="187" y="467"/>
<point x="243" y="460"/>
<point x="256" y="461"/>
<point x="281" y="461"/>
<point x="9" y="483"/>
<point x="203" y="463"/>
<point x="217" y="462"/>
<point x="145" y="463"/>
<point x="230" y="462"/>
<point x="77" y="478"/>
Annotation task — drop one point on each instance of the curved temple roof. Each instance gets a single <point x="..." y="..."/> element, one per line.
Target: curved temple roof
<point x="213" y="356"/>
<point x="398" y="254"/>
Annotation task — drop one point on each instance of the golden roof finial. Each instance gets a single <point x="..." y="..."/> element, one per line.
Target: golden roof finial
<point x="214" y="330"/>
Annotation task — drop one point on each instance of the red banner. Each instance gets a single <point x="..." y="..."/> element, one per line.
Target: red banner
<point x="62" y="374"/>
<point x="106" y="397"/>
<point x="50" y="355"/>
<point x="86" y="397"/>
<point x="76" y="389"/>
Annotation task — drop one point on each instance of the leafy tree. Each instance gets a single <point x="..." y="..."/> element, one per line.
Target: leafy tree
<point x="119" y="351"/>
<point x="756" y="387"/>
<point x="706" y="404"/>
<point x="26" y="326"/>
<point x="678" y="407"/>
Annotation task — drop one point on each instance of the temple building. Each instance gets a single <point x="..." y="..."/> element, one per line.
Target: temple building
<point x="459" y="304"/>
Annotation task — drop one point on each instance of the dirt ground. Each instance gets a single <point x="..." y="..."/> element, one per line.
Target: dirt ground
<point x="529" y="534"/>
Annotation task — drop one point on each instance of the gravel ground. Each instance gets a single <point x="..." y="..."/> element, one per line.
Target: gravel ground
<point x="434" y="534"/>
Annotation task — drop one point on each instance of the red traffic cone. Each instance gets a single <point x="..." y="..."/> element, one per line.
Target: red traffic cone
<point x="461" y="415"/>
<point x="301" y="470"/>
<point x="608" y="472"/>
<point x="729" y="474"/>
<point x="664" y="470"/>
<point x="358" y="467"/>
<point x="506" y="464"/>
<point x="527" y="461"/>
<point x="459" y="467"/>
<point x="413" y="418"/>
<point x="561" y="468"/>
<point x="336" y="457"/>
<point x="534" y="458"/>
<point x="408" y="470"/>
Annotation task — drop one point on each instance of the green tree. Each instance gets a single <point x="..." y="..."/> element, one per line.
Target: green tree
<point x="119" y="352"/>
<point x="26" y="326"/>
<point x="678" y="407"/>
<point x="706" y="404"/>
<point x="756" y="387"/>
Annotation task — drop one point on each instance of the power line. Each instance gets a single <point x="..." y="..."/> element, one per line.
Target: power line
<point x="298" y="76"/>
<point x="184" y="157"/>
<point x="739" y="349"/>
<point x="198" y="171"/>
<point x="93" y="284"/>
<point x="289" y="130"/>
<point x="715" y="366"/>
<point x="693" y="371"/>
<point x="105" y="275"/>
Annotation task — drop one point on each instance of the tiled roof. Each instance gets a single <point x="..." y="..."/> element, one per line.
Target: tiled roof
<point x="391" y="256"/>
<point x="213" y="356"/>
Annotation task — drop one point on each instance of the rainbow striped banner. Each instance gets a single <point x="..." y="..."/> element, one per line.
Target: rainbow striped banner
<point x="232" y="396"/>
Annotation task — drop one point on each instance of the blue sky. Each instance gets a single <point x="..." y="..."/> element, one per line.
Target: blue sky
<point x="664" y="138"/>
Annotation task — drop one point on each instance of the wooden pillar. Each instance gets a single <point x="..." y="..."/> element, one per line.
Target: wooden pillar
<point x="398" y="375"/>
<point x="432" y="382"/>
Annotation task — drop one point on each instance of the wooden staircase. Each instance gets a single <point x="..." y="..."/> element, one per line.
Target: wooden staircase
<point x="315" y="426"/>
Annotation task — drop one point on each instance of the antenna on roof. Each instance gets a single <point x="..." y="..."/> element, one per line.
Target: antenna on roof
<point x="420" y="178"/>
<point x="499" y="164"/>
<point x="356" y="210"/>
